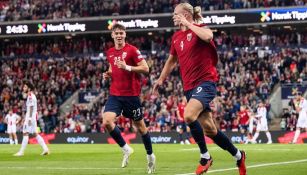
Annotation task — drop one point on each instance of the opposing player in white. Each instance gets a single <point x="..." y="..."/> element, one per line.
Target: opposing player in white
<point x="301" y="107"/>
<point x="11" y="120"/>
<point x="262" y="123"/>
<point x="250" y="125"/>
<point x="30" y="121"/>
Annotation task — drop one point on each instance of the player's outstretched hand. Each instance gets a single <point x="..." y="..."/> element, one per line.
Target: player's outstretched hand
<point x="106" y="75"/>
<point x="156" y="86"/>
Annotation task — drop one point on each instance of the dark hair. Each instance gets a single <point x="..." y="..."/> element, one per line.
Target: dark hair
<point x="29" y="84"/>
<point x="118" y="26"/>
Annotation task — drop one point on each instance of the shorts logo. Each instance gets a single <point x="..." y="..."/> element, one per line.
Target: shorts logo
<point x="189" y="36"/>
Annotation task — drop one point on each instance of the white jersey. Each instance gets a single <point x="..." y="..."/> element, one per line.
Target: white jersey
<point x="31" y="102"/>
<point x="302" y="119"/>
<point x="262" y="124"/>
<point x="11" y="119"/>
<point x="11" y="122"/>
<point x="30" y="122"/>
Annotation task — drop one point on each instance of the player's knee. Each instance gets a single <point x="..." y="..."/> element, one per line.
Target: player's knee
<point x="142" y="130"/>
<point x="210" y="131"/>
<point x="107" y="122"/>
<point x="189" y="116"/>
<point x="141" y="127"/>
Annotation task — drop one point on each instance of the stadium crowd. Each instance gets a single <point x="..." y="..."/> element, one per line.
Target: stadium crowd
<point x="247" y="75"/>
<point x="59" y="9"/>
<point x="55" y="81"/>
<point x="158" y="42"/>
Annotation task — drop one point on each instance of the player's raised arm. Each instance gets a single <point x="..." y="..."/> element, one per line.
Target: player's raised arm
<point x="170" y="64"/>
<point x="141" y="67"/>
<point x="203" y="32"/>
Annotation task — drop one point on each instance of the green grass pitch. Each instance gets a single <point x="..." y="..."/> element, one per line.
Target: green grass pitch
<point x="104" y="159"/>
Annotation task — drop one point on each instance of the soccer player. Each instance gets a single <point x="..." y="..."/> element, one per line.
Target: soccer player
<point x="250" y="125"/>
<point x="125" y="66"/>
<point x="182" y="128"/>
<point x="193" y="48"/>
<point x="30" y="121"/>
<point x="301" y="107"/>
<point x="243" y="120"/>
<point x="262" y="123"/>
<point x="11" y="120"/>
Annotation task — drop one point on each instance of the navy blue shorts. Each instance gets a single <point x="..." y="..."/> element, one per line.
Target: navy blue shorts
<point x="128" y="106"/>
<point x="243" y="127"/>
<point x="204" y="93"/>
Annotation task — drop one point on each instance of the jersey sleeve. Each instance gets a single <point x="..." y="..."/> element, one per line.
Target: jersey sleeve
<point x="108" y="56"/>
<point x="173" y="50"/>
<point x="137" y="56"/>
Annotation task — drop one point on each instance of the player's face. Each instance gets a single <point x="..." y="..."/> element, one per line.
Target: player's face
<point x="25" y="88"/>
<point x="119" y="36"/>
<point x="178" y="11"/>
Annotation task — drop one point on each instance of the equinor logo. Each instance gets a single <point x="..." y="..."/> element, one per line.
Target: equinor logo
<point x="161" y="139"/>
<point x="77" y="139"/>
<point x="4" y="140"/>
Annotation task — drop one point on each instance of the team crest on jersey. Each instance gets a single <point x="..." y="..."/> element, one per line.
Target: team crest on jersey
<point x="189" y="36"/>
<point x="124" y="55"/>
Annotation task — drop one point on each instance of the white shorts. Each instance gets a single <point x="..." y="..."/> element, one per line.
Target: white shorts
<point x="29" y="129"/>
<point x="11" y="129"/>
<point x="262" y="126"/>
<point x="301" y="122"/>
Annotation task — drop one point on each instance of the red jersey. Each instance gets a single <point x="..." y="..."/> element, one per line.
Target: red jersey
<point x="197" y="58"/>
<point x="243" y="117"/>
<point x="181" y="107"/>
<point x="125" y="83"/>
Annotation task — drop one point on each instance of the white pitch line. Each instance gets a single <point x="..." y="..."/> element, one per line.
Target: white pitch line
<point x="106" y="168"/>
<point x="64" y="168"/>
<point x="252" y="166"/>
<point x="248" y="149"/>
